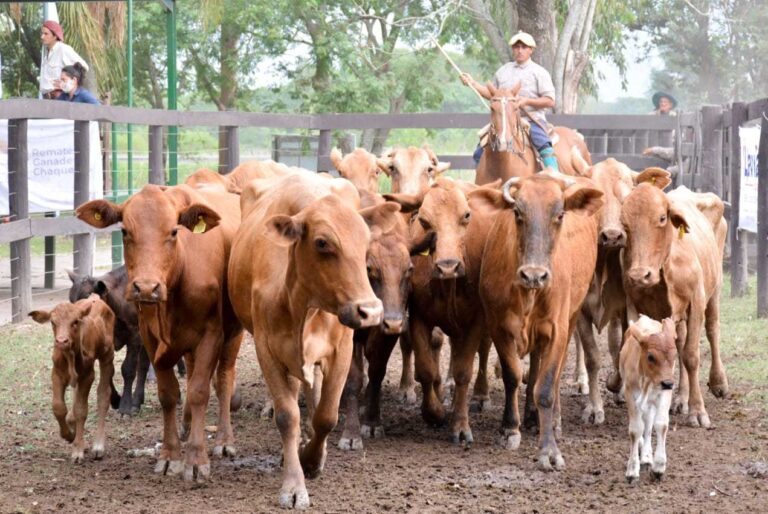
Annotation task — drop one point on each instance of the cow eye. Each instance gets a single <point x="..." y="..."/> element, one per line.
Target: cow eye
<point x="663" y="218"/>
<point x="518" y="214"/>
<point x="125" y="232"/>
<point x="322" y="245"/>
<point x="392" y="169"/>
<point x="651" y="358"/>
<point x="74" y="323"/>
<point x="425" y="224"/>
<point x="174" y="232"/>
<point x="466" y="217"/>
<point x="559" y="217"/>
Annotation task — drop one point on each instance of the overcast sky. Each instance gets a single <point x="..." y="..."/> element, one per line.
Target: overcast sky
<point x="638" y="74"/>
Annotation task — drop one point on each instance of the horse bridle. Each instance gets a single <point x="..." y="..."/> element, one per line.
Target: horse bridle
<point x="518" y="137"/>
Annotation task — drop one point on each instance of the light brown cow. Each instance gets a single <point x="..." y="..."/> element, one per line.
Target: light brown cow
<point x="206" y="178"/>
<point x="536" y="268"/>
<point x="359" y="167"/>
<point x="648" y="370"/>
<point x="177" y="243"/>
<point x="673" y="268"/>
<point x="82" y="335"/>
<point x="239" y="177"/>
<point x="412" y="169"/>
<point x="297" y="279"/>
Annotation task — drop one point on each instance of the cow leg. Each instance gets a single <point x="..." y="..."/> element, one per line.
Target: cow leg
<point x="661" y="426"/>
<point x="427" y="373"/>
<point x="377" y="351"/>
<point x="141" y="377"/>
<point x="680" y="402"/>
<point x="80" y="408"/>
<point x="593" y="412"/>
<point x="512" y="376"/>
<point x="106" y="372"/>
<point x="697" y="413"/>
<point x="462" y="359"/>
<point x="635" y="439"/>
<point x="580" y="370"/>
<point x="615" y="336"/>
<point x="351" y="438"/>
<point x="407" y="388"/>
<point x="186" y="415"/>
<point x="335" y="371"/>
<point x="718" y="381"/>
<point x="646" y="449"/>
<point x="128" y="370"/>
<point x="553" y="343"/>
<point x="531" y="417"/>
<point x="224" y="445"/>
<point x="59" y="386"/>
<point x="480" y="394"/>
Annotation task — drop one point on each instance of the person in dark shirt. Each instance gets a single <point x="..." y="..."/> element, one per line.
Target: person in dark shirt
<point x="71" y="78"/>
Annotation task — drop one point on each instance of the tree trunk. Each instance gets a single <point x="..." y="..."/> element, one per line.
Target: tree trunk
<point x="537" y="17"/>
<point x="482" y="13"/>
<point x="228" y="81"/>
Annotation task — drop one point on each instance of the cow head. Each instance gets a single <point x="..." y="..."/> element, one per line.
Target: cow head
<point x="82" y="286"/>
<point x="651" y="224"/>
<point x="412" y="169"/>
<point x="615" y="180"/>
<point x="540" y="203"/>
<point x="156" y="221"/>
<point x="359" y="167"/>
<point x="506" y="130"/>
<point x="658" y="351"/>
<point x="444" y="214"/>
<point x="329" y="241"/>
<point x="66" y="319"/>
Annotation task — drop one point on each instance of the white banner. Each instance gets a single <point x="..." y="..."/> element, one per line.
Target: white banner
<point x="51" y="165"/>
<point x="750" y="142"/>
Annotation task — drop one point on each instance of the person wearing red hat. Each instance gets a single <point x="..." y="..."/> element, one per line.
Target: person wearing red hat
<point x="56" y="55"/>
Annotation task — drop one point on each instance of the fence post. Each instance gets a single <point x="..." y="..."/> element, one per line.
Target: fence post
<point x="324" y="150"/>
<point x="762" y="220"/>
<point x="83" y="243"/>
<point x="233" y="148"/>
<point x="738" y="239"/>
<point x="18" y="207"/>
<point x="711" y="163"/>
<point x="156" y="169"/>
<point x="49" y="279"/>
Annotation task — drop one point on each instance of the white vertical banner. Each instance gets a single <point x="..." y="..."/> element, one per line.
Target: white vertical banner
<point x="750" y="143"/>
<point x="51" y="165"/>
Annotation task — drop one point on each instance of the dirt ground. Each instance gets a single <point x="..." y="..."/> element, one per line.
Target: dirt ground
<point x="415" y="468"/>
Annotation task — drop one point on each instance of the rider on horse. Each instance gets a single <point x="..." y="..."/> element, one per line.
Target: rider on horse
<point x="536" y="94"/>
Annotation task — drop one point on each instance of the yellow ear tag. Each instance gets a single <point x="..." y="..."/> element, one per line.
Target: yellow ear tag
<point x="200" y="227"/>
<point x="653" y="180"/>
<point x="425" y="253"/>
<point x="97" y="216"/>
<point x="680" y="232"/>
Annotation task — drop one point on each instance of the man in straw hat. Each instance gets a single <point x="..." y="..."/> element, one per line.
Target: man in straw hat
<point x="663" y="103"/>
<point x="56" y="55"/>
<point x="537" y="93"/>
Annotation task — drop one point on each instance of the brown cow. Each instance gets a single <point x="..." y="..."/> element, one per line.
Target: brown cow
<point x="82" y="335"/>
<point x="673" y="268"/>
<point x="412" y="169"/>
<point x="536" y="268"/>
<point x="648" y="369"/>
<point x="177" y="243"/>
<point x="239" y="177"/>
<point x="359" y="167"/>
<point x="206" y="178"/>
<point x="297" y="279"/>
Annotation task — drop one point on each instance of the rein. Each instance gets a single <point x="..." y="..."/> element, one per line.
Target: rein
<point x="518" y="137"/>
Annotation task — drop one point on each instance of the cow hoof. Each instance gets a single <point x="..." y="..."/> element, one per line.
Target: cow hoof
<point x="592" y="416"/>
<point x="77" y="456"/>
<point x="68" y="436"/>
<point x="613" y="384"/>
<point x="463" y="436"/>
<point x="699" y="420"/>
<point x="184" y="435"/>
<point x="657" y="475"/>
<point x="679" y="406"/>
<point x="313" y="464"/>
<point x="225" y="450"/>
<point x="298" y="499"/>
<point x="197" y="472"/>
<point x="633" y="479"/>
<point x="619" y="399"/>
<point x="372" y="431"/>
<point x="98" y="451"/>
<point x="268" y="412"/>
<point x="511" y="441"/>
<point x="480" y="404"/>
<point x="350" y="443"/>
<point x="408" y="395"/>
<point x="434" y="418"/>
<point x="549" y="462"/>
<point x="169" y="467"/>
<point x="582" y="387"/>
<point x="719" y="389"/>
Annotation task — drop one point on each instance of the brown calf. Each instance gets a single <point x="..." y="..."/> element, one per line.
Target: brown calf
<point x="673" y="268"/>
<point x="297" y="279"/>
<point x="359" y="167"/>
<point x="82" y="334"/>
<point x="536" y="268"/>
<point x="177" y="243"/>
<point x="412" y="169"/>
<point x="647" y="365"/>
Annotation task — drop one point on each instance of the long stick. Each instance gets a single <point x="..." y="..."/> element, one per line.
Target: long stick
<point x="448" y="57"/>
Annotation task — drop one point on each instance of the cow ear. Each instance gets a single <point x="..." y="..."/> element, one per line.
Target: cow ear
<point x="670" y="330"/>
<point x="382" y="217"/>
<point x="72" y="275"/>
<point x="40" y="316"/>
<point x="101" y="288"/>
<point x="199" y="218"/>
<point x="486" y="199"/>
<point x="408" y="203"/>
<point x="578" y="162"/>
<point x="385" y="165"/>
<point x="516" y="88"/>
<point x="288" y="228"/>
<point x="656" y="176"/>
<point x="85" y="309"/>
<point x="423" y="244"/>
<point x="635" y="333"/>
<point x="678" y="219"/>
<point x="583" y="200"/>
<point x="440" y="167"/>
<point x="336" y="159"/>
<point x="100" y="213"/>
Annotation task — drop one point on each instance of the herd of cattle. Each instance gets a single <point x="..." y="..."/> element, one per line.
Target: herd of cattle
<point x="326" y="273"/>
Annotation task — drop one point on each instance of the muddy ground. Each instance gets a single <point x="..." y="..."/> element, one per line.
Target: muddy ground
<point x="415" y="468"/>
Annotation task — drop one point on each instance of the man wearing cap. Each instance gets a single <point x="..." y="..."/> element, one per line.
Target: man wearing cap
<point x="537" y="92"/>
<point x="664" y="104"/>
<point x="56" y="55"/>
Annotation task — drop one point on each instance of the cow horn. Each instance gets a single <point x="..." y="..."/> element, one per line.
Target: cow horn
<point x="567" y="180"/>
<point x="506" y="187"/>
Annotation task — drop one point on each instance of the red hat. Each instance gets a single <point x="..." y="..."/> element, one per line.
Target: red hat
<point x="55" y="29"/>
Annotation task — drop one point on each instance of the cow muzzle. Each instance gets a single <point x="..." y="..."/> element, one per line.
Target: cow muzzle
<point x="448" y="268"/>
<point x="361" y="314"/>
<point x="612" y="238"/>
<point x="147" y="291"/>
<point x="643" y="276"/>
<point x="533" y="277"/>
<point x="62" y="343"/>
<point x="392" y="324"/>
<point x="667" y="385"/>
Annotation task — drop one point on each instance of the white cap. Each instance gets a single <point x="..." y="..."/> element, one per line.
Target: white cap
<point x="524" y="38"/>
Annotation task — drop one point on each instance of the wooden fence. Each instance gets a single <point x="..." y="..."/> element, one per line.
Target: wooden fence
<point x="623" y="137"/>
